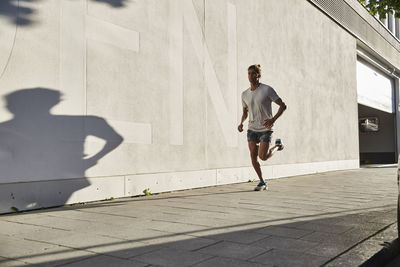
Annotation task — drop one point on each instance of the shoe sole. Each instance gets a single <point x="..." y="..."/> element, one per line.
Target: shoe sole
<point x="256" y="189"/>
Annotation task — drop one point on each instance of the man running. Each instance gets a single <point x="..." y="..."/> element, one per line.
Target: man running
<point x="256" y="102"/>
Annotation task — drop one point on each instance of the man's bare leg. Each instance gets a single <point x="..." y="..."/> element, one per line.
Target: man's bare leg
<point x="264" y="152"/>
<point x="254" y="150"/>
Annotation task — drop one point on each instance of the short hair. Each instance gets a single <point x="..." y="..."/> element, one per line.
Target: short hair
<point x="255" y="67"/>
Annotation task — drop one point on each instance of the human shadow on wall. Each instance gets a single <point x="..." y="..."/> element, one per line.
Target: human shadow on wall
<point x="113" y="3"/>
<point x="16" y="12"/>
<point x="36" y="145"/>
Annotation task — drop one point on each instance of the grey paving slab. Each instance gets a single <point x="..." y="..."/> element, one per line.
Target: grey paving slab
<point x="357" y="257"/>
<point x="172" y="257"/>
<point x="293" y="223"/>
<point x="329" y="220"/>
<point x="276" y="257"/>
<point x="185" y="207"/>
<point x="327" y="228"/>
<point x="45" y="234"/>
<point x="13" y="228"/>
<point x="59" y="223"/>
<point x="185" y="242"/>
<point x="233" y="250"/>
<point x="113" y="230"/>
<point x="173" y="227"/>
<point x="125" y="249"/>
<point x="284" y="243"/>
<point x="97" y="217"/>
<point x="305" y="206"/>
<point x="56" y="256"/>
<point x="284" y="231"/>
<point x="12" y="247"/>
<point x="244" y="237"/>
<point x="328" y="249"/>
<point x="365" y="250"/>
<point x="106" y="261"/>
<point x="346" y="238"/>
<point x="136" y="234"/>
<point x="33" y="252"/>
<point x="320" y="215"/>
<point x="216" y="233"/>
<point x="199" y="221"/>
<point x="374" y="226"/>
<point x="87" y="242"/>
<point x="12" y="263"/>
<point x="388" y="219"/>
<point x="329" y="210"/>
<point x="220" y="261"/>
<point x="21" y="217"/>
<point x="189" y="243"/>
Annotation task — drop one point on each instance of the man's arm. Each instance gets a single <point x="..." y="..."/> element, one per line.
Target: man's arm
<point x="244" y="117"/>
<point x="98" y="127"/>
<point x="268" y="123"/>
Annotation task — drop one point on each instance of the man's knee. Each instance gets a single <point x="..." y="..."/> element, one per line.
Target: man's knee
<point x="264" y="157"/>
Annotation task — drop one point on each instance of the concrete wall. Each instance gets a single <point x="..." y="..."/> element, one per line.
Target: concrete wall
<point x="107" y="98"/>
<point x="372" y="36"/>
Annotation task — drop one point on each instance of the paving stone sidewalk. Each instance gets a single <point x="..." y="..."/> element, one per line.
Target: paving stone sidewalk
<point x="310" y="220"/>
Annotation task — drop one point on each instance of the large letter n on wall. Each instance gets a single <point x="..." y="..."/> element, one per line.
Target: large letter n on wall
<point x="226" y="111"/>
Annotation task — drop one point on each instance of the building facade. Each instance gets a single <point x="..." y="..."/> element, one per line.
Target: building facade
<point x="105" y="99"/>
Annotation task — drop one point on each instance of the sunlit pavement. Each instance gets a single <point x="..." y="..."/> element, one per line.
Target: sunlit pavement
<point x="336" y="219"/>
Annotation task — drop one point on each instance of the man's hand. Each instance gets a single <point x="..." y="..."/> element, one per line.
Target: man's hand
<point x="240" y="127"/>
<point x="90" y="162"/>
<point x="268" y="123"/>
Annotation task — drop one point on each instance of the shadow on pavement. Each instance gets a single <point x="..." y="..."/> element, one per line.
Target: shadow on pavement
<point x="185" y="240"/>
<point x="389" y="256"/>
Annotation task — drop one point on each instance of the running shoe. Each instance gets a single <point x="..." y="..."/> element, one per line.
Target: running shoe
<point x="261" y="186"/>
<point x="278" y="143"/>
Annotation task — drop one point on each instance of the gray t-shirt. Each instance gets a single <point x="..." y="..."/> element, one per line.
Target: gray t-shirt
<point x="258" y="102"/>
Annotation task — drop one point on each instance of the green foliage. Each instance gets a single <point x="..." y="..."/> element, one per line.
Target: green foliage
<point x="382" y="7"/>
<point x="147" y="192"/>
<point x="14" y="209"/>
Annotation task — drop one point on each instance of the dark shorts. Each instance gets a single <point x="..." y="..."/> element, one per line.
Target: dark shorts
<point x="253" y="136"/>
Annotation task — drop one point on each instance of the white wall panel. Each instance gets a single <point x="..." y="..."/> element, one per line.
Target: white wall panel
<point x="374" y="89"/>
